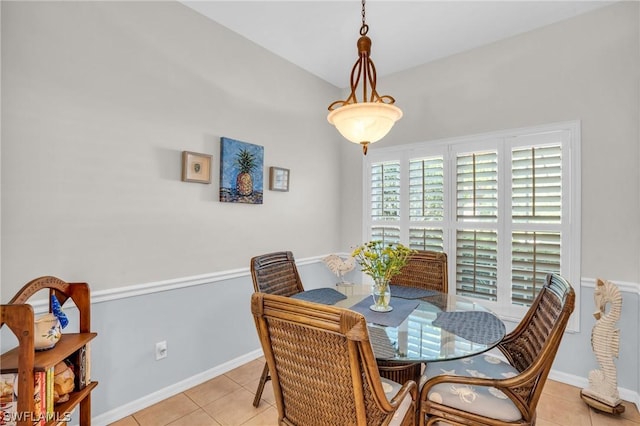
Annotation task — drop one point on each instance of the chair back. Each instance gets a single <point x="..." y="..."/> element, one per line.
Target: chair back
<point x="532" y="346"/>
<point x="425" y="269"/>
<point x="276" y="273"/>
<point x="321" y="362"/>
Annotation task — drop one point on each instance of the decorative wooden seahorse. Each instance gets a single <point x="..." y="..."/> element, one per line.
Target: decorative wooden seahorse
<point x="605" y="341"/>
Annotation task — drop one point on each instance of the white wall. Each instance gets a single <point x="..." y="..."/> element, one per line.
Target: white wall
<point x="98" y="101"/>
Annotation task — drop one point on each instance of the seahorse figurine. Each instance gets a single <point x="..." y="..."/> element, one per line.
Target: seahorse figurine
<point x="605" y="341"/>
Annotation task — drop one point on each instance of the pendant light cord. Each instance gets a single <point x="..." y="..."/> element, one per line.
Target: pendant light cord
<point x="364" y="29"/>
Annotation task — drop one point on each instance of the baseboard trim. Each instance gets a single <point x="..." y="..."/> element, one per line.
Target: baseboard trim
<point x="582" y="382"/>
<point x="155" y="397"/>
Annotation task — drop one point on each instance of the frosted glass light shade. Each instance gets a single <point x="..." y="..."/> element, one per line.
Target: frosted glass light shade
<point x="365" y="121"/>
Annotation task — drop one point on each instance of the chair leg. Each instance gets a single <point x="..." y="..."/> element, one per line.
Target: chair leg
<point x="263" y="380"/>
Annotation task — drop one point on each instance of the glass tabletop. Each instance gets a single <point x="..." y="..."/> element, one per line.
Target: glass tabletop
<point x="435" y="327"/>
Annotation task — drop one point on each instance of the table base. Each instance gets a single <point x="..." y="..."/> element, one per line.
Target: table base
<point x="400" y="372"/>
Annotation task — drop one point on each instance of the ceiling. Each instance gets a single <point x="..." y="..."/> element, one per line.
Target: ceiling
<point x="320" y="36"/>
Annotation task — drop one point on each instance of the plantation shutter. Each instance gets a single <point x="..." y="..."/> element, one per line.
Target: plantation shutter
<point x="536" y="213"/>
<point x="385" y="201"/>
<point x="426" y="203"/>
<point x="477" y="187"/>
<point x="504" y="206"/>
<point x="426" y="189"/>
<point x="426" y="239"/>
<point x="534" y="255"/>
<point x="385" y="191"/>
<point x="477" y="263"/>
<point x="477" y="202"/>
<point x="386" y="234"/>
<point x="536" y="184"/>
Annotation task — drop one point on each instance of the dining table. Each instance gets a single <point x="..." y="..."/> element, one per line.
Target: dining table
<point x="424" y="326"/>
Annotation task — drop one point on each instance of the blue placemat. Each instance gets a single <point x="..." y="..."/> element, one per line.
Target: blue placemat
<point x="326" y="296"/>
<point x="401" y="310"/>
<point x="410" y="292"/>
<point x="479" y="327"/>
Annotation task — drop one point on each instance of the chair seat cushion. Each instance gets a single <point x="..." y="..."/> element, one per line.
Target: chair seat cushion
<point x="391" y="388"/>
<point x="483" y="400"/>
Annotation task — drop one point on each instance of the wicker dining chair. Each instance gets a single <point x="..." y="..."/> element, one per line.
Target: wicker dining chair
<point x="425" y="269"/>
<point x="484" y="390"/>
<point x="428" y="270"/>
<point x="323" y="369"/>
<point x="274" y="273"/>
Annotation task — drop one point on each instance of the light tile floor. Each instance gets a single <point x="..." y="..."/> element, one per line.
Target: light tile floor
<point x="228" y="400"/>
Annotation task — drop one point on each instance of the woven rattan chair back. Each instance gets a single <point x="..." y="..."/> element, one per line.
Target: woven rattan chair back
<point x="276" y="273"/>
<point x="323" y="368"/>
<point x="425" y="269"/>
<point x="531" y="348"/>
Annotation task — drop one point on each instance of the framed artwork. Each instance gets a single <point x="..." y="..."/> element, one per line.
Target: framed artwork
<point x="196" y="167"/>
<point x="278" y="179"/>
<point x="241" y="171"/>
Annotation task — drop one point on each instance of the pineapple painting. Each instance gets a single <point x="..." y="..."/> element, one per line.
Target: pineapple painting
<point x="241" y="171"/>
<point x="246" y="162"/>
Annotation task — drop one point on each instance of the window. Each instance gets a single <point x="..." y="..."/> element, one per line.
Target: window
<point x="503" y="206"/>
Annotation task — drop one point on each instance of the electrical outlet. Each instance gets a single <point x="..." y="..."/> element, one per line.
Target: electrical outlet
<point x="161" y="350"/>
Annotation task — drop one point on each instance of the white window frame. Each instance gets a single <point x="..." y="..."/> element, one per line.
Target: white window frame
<point x="503" y="140"/>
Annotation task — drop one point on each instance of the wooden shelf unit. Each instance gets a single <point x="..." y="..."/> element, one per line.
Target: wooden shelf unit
<point x="25" y="361"/>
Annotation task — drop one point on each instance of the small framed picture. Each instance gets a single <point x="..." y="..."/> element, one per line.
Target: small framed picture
<point x="196" y="167"/>
<point x="278" y="179"/>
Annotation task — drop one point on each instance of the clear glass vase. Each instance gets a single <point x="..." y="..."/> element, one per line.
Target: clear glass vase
<point x="381" y="295"/>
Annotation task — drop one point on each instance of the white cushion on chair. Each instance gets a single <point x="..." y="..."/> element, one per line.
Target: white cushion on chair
<point x="391" y="388"/>
<point x="483" y="400"/>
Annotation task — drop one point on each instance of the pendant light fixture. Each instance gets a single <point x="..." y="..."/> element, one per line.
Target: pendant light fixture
<point x="370" y="120"/>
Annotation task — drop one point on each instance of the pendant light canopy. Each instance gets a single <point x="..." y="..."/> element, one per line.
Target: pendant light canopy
<point x="370" y="120"/>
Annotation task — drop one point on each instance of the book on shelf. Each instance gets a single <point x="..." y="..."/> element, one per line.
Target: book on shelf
<point x="43" y="395"/>
<point x="40" y="397"/>
<point x="78" y="361"/>
<point x="49" y="393"/>
<point x="8" y="398"/>
<point x="87" y="363"/>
